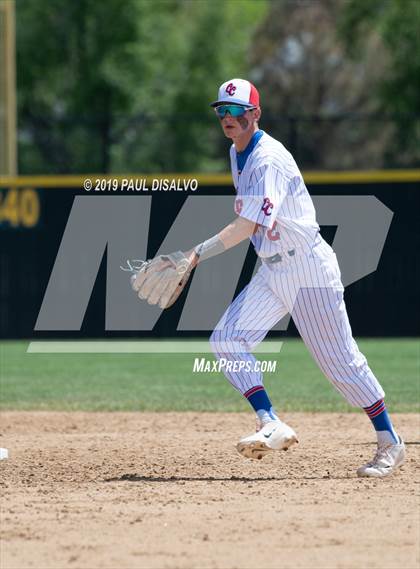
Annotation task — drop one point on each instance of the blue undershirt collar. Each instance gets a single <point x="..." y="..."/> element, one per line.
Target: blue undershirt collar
<point x="241" y="157"/>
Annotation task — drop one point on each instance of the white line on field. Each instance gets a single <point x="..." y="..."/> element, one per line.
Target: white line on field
<point x="135" y="347"/>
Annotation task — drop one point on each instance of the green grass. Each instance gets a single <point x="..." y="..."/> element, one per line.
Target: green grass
<point x="165" y="382"/>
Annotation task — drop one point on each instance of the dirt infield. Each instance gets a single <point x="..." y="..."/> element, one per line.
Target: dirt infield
<point x="132" y="490"/>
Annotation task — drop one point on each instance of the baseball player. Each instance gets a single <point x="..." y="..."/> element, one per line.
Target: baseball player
<point x="299" y="275"/>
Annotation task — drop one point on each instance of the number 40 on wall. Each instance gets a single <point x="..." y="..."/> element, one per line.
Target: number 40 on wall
<point x="19" y="207"/>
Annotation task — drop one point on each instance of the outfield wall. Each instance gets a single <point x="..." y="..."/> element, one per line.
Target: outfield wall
<point x="34" y="212"/>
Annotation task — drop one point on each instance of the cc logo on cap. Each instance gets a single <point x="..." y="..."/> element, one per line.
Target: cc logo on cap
<point x="230" y="89"/>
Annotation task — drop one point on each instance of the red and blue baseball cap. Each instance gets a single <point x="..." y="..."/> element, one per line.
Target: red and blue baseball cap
<point x="238" y="92"/>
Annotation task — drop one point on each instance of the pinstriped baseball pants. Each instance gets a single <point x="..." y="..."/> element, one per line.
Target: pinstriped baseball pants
<point x="308" y="286"/>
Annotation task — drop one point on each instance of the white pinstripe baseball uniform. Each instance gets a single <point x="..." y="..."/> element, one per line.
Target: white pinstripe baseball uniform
<point x="305" y="281"/>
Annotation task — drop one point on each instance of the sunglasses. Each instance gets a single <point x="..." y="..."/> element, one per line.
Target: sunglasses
<point x="233" y="110"/>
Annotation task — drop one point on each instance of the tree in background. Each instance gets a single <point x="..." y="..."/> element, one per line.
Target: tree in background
<point x="314" y="95"/>
<point x="398" y="90"/>
<point x="341" y="80"/>
<point x="199" y="46"/>
<point x="76" y="72"/>
<point x="124" y="85"/>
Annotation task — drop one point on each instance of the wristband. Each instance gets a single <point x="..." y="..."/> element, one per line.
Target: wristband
<point x="210" y="248"/>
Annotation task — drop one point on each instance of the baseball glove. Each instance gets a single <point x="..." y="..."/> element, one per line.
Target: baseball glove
<point x="162" y="279"/>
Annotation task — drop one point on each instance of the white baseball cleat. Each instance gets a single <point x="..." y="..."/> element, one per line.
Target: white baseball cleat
<point x="388" y="458"/>
<point x="274" y="435"/>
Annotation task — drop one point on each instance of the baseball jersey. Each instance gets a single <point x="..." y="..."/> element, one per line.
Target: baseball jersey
<point x="271" y="192"/>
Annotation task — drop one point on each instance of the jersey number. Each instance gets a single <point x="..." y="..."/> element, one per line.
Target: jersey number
<point x="238" y="206"/>
<point x="272" y="234"/>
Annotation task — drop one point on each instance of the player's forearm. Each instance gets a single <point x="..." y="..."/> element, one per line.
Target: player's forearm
<point x="237" y="231"/>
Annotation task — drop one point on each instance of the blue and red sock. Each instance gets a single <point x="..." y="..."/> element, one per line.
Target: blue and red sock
<point x="260" y="402"/>
<point x="380" y="418"/>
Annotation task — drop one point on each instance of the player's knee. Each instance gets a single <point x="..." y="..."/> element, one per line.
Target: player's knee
<point x="224" y="344"/>
<point x="346" y="369"/>
<point x="216" y="343"/>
